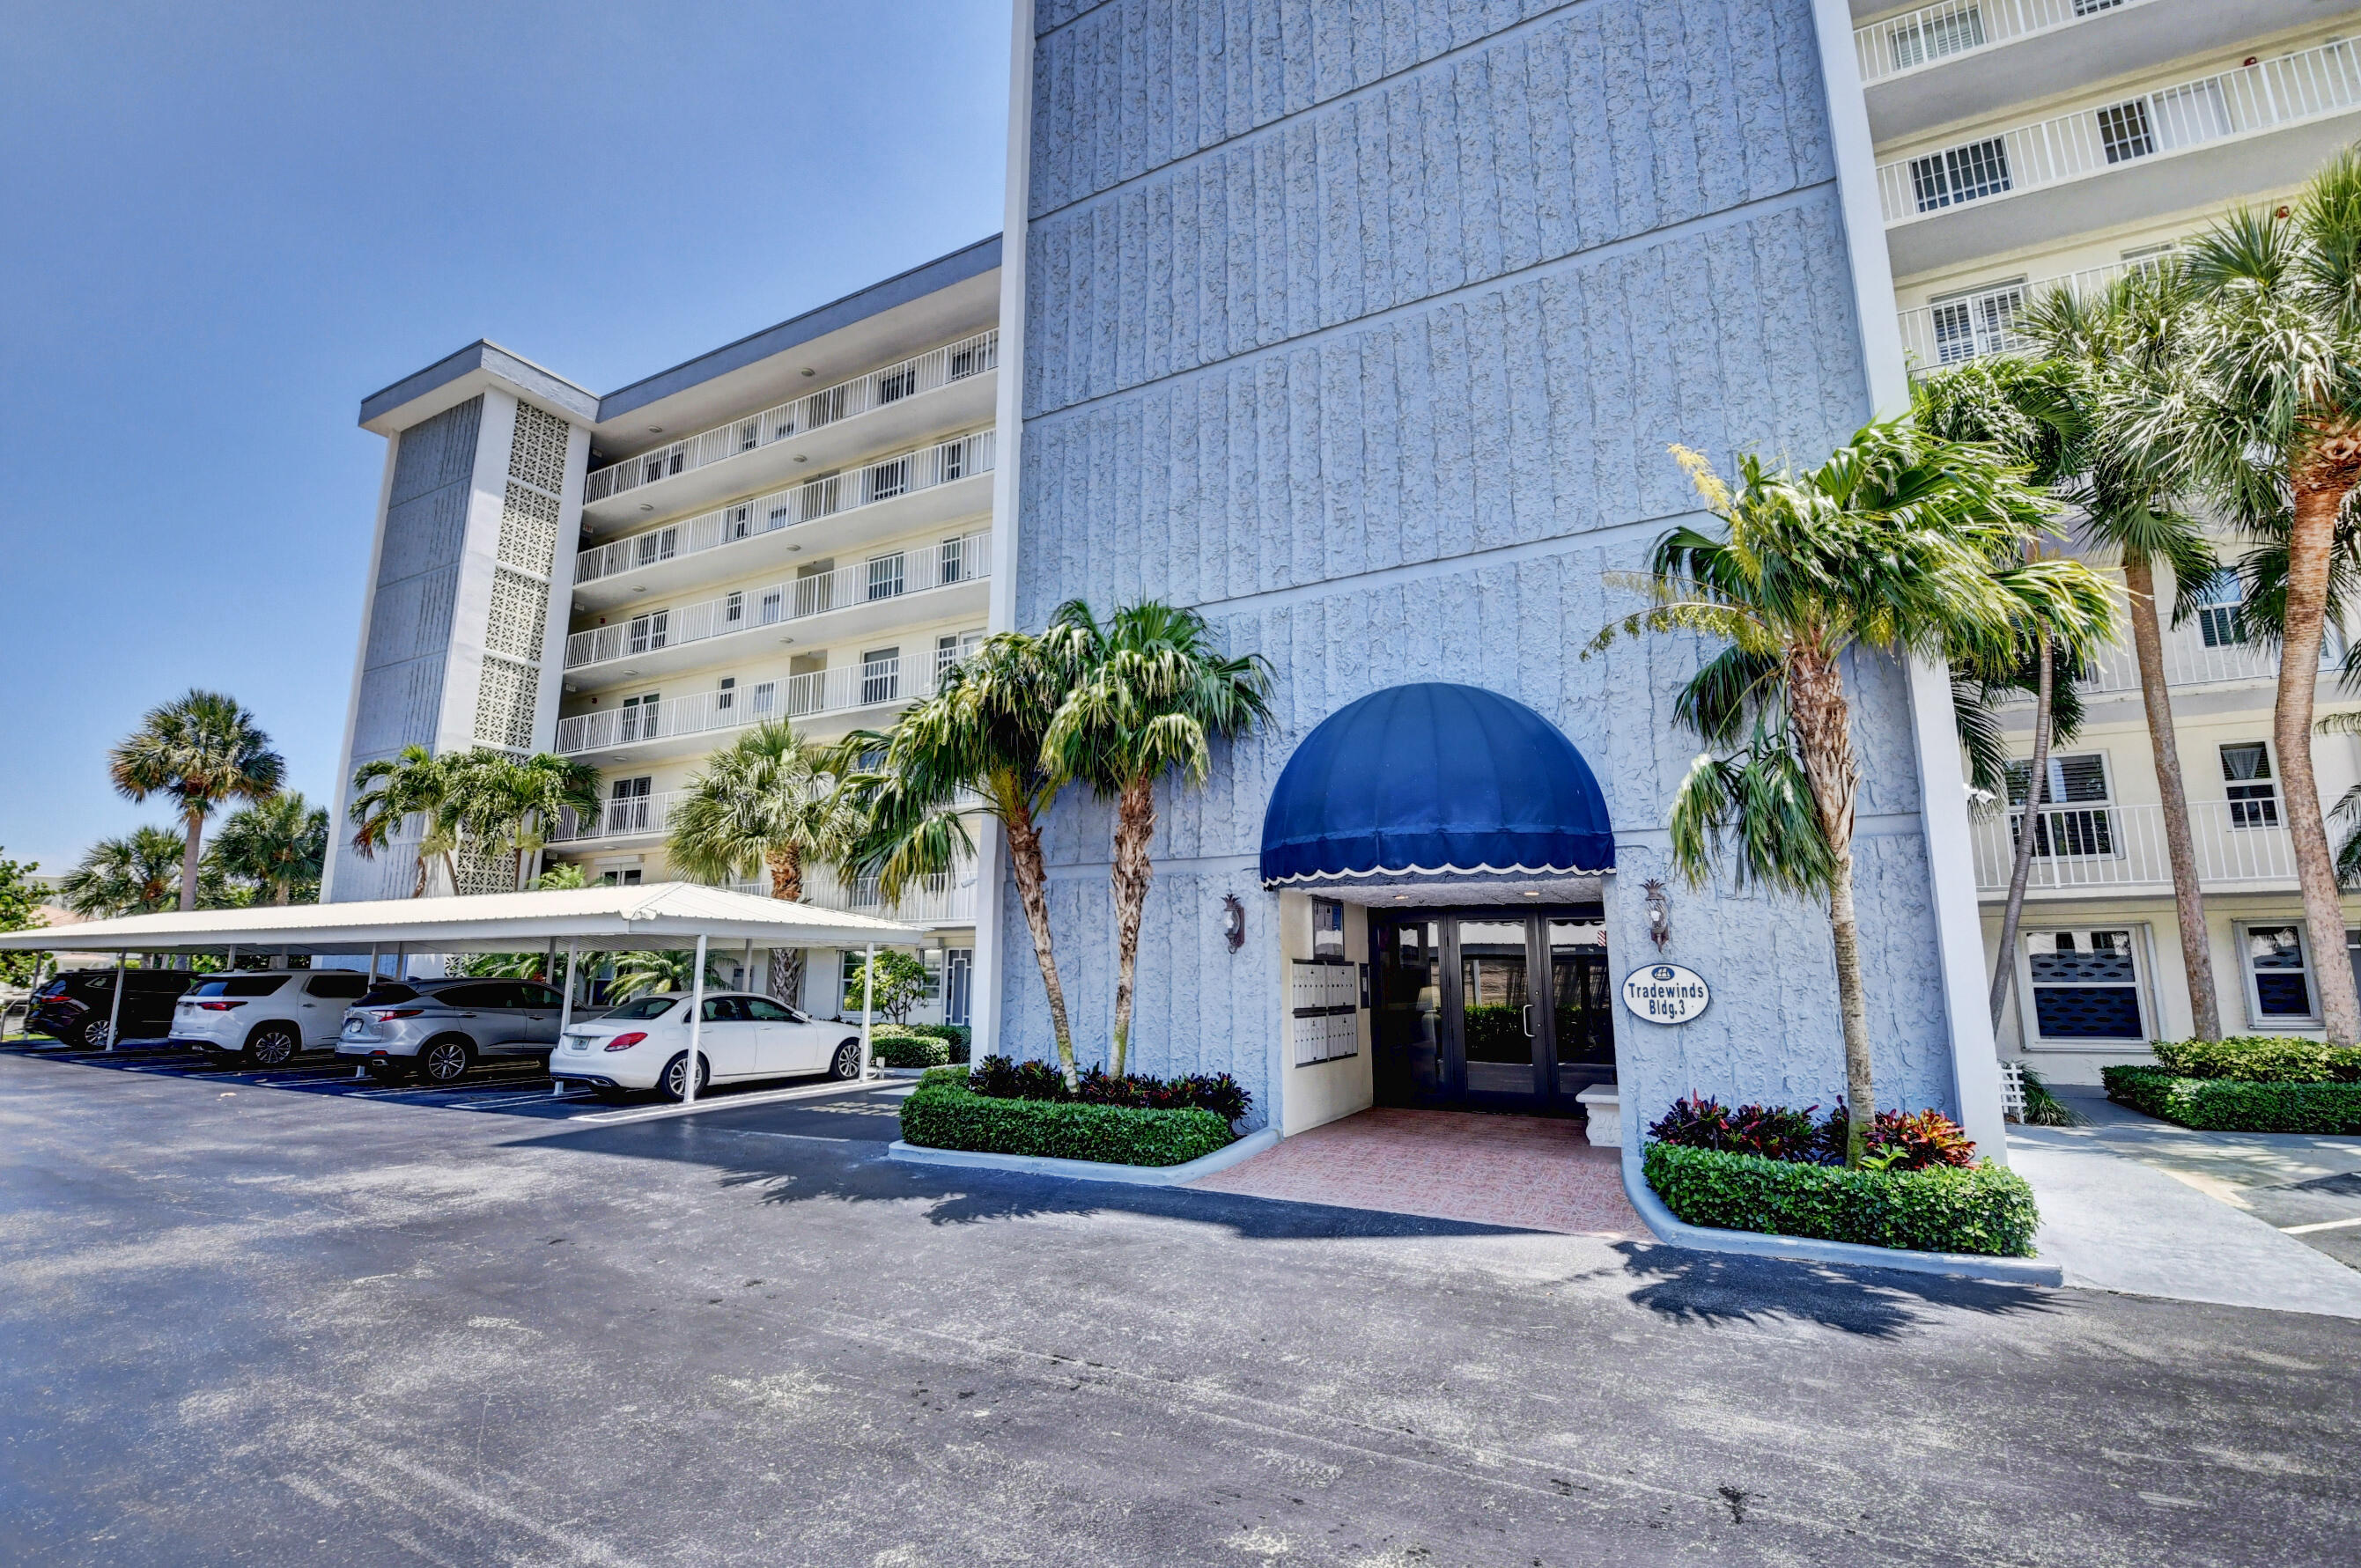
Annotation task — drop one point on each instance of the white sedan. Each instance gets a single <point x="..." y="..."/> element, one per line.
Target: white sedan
<point x="644" y="1044"/>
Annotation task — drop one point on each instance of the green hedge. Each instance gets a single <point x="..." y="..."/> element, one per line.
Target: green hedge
<point x="897" y="1045"/>
<point x="2261" y="1059"/>
<point x="1982" y="1208"/>
<point x="2235" y="1105"/>
<point x="943" y="1113"/>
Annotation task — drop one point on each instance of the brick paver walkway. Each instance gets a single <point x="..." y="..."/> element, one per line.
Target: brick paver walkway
<point x="1529" y="1171"/>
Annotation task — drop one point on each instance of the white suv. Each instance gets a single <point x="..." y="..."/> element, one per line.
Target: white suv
<point x="265" y="1017"/>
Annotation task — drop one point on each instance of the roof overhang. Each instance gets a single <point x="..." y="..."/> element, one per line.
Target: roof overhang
<point x="450" y="381"/>
<point x="655" y="915"/>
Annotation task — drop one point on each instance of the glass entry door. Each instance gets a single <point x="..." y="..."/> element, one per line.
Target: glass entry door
<point x="1490" y="1009"/>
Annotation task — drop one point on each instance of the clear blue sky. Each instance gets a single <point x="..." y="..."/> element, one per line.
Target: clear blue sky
<point x="227" y="224"/>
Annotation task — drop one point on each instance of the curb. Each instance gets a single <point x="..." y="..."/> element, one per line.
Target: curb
<point x="1672" y="1229"/>
<point x="1246" y="1148"/>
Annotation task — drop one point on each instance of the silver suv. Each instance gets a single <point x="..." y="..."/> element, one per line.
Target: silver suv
<point x="439" y="1029"/>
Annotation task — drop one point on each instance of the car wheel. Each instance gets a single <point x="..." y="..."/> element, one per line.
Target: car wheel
<point x="675" y="1074"/>
<point x="846" y="1063"/>
<point x="93" y="1036"/>
<point x="273" y="1045"/>
<point x="446" y="1061"/>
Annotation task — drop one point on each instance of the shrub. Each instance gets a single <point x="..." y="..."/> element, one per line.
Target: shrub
<point x="2235" y="1105"/>
<point x="1772" y="1131"/>
<point x="895" y="1046"/>
<point x="2261" y="1059"/>
<point x="944" y="1113"/>
<point x="956" y="1035"/>
<point x="2043" y="1108"/>
<point x="1983" y="1208"/>
<point x="998" y="1078"/>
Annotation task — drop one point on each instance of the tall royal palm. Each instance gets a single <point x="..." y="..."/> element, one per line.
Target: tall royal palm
<point x="1153" y="695"/>
<point x="278" y="844"/>
<point x="1900" y="545"/>
<point x="765" y="803"/>
<point x="2272" y="424"/>
<point x="977" y="740"/>
<point x="201" y="749"/>
<point x="388" y="792"/>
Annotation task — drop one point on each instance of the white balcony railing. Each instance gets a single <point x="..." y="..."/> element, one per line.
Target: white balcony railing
<point x="914" y="569"/>
<point x="638" y="817"/>
<point x="1932" y="34"/>
<point x="887" y="479"/>
<point x="945" y="899"/>
<point x="830" y="405"/>
<point x="1973" y="325"/>
<point x="2246" y="102"/>
<point x="2189" y="659"/>
<point x="2238" y="843"/>
<point x="874" y="682"/>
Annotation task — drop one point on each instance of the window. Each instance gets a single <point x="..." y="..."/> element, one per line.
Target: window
<point x="887" y="480"/>
<point x="952" y="561"/>
<point x="629" y="877"/>
<point x="1982" y="321"/>
<point x="2151" y="259"/>
<point x="738" y="522"/>
<point x="342" y="984"/>
<point x="2279" y="981"/>
<point x="1959" y="174"/>
<point x="242" y="985"/>
<point x="733" y="609"/>
<point x="2218" y="621"/>
<point x="2253" y="794"/>
<point x="2085" y="985"/>
<point x="2191" y="115"/>
<point x="627" y="804"/>
<point x="639" y="718"/>
<point x="1327" y="929"/>
<point x="1922" y="38"/>
<point x="959" y="968"/>
<point x="816" y="588"/>
<point x="966" y="360"/>
<point x="2075" y="818"/>
<point x="2124" y="131"/>
<point x="750" y="435"/>
<point x="766" y="696"/>
<point x="531" y="993"/>
<point x="885" y="576"/>
<point x="881" y="676"/>
<point x="763" y="1010"/>
<point x="650" y="631"/>
<point x="726" y="698"/>
<point x="651" y="548"/>
<point x="894" y="385"/>
<point x="950" y="460"/>
<point x="2092" y="8"/>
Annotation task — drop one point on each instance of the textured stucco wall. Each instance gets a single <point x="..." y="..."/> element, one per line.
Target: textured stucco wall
<point x="1363" y="327"/>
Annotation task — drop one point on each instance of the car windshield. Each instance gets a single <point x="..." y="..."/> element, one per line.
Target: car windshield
<point x="386" y="995"/>
<point x="645" y="1007"/>
<point x="241" y="985"/>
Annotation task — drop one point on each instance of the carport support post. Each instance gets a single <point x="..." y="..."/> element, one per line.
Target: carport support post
<point x="565" y="1007"/>
<point x="868" y="1006"/>
<point x="696" y="1027"/>
<point x="115" y="1008"/>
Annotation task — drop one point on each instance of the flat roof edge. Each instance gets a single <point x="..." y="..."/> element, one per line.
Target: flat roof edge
<point x="486" y="355"/>
<point x="874" y="299"/>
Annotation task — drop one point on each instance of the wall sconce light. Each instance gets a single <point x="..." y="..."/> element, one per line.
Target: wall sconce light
<point x="1233" y="921"/>
<point x="1660" y="914"/>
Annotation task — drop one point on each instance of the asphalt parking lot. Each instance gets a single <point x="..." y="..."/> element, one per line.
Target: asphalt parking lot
<point x="289" y="1318"/>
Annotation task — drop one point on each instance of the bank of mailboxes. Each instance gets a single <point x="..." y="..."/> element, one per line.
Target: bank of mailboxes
<point x="1325" y="1003"/>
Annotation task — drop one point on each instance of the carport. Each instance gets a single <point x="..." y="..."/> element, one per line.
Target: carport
<point x="669" y="915"/>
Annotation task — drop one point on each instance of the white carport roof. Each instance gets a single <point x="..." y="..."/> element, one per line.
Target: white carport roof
<point x="654" y="915"/>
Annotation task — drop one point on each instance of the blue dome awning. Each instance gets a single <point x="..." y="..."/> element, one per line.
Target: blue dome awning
<point x="1435" y="778"/>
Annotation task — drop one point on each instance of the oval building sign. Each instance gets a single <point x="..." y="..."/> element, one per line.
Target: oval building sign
<point x="1665" y="993"/>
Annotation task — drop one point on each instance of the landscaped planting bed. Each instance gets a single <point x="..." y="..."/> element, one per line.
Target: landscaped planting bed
<point x="1026" y="1108"/>
<point x="893" y="1046"/>
<point x="2249" y="1083"/>
<point x="1778" y="1171"/>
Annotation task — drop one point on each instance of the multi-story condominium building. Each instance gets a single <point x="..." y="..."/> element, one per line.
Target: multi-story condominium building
<point x="2026" y="144"/>
<point x="796" y="525"/>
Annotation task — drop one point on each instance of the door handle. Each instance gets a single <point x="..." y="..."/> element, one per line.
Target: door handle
<point x="1528" y="1011"/>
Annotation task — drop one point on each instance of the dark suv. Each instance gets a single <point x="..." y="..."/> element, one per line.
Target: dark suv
<point x="73" y="1007"/>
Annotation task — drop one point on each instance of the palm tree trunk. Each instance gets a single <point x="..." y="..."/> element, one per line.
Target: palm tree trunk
<point x="418" y="888"/>
<point x="1033" y="892"/>
<point x="2179" y="847"/>
<point x="1824" y="740"/>
<point x="1135" y="830"/>
<point x="2029" y="832"/>
<point x="2309" y="544"/>
<point x="787" y="975"/>
<point x="786" y="866"/>
<point x="196" y="825"/>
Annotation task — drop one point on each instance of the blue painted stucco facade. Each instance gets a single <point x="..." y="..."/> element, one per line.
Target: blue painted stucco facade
<point x="1363" y="327"/>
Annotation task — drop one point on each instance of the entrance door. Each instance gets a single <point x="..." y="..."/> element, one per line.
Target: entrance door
<point x="1490" y="1009"/>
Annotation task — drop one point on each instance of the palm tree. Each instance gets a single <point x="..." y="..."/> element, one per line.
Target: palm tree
<point x="1898" y="544"/>
<point x="200" y="749"/>
<point x="389" y="791"/>
<point x="279" y="844"/>
<point x="641" y="972"/>
<point x="978" y="739"/>
<point x="2271" y="423"/>
<point x="136" y="874"/>
<point x="765" y="803"/>
<point x="512" y="804"/>
<point x="1153" y="696"/>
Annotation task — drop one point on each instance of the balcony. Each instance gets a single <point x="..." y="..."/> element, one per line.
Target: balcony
<point x="647" y="817"/>
<point x="947" y="385"/>
<point x="864" y="596"/>
<point x="923" y="486"/>
<point x="679" y="726"/>
<point x="2231" y="106"/>
<point x="947" y="899"/>
<point x="2208" y="652"/>
<point x="1984" y="323"/>
<point x="2240" y="844"/>
<point x="1932" y="34"/>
